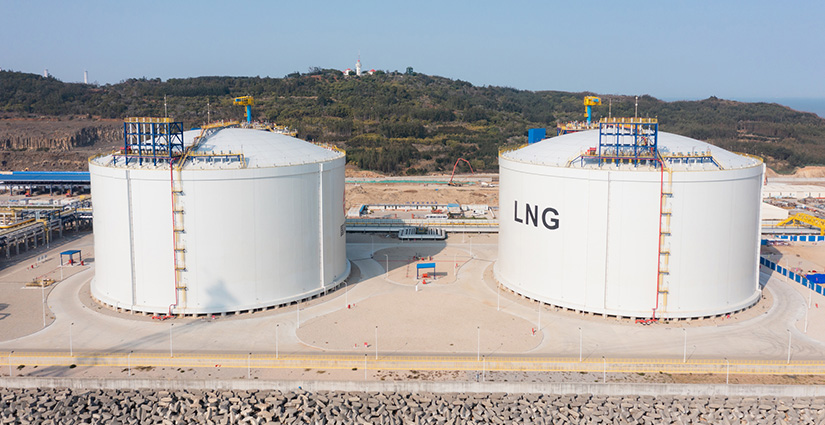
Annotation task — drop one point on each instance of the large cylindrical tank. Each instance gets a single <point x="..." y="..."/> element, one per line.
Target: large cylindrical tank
<point x="631" y="239"/>
<point x="251" y="219"/>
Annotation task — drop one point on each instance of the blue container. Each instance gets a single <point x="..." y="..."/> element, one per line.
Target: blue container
<point x="536" y="135"/>
<point x="816" y="277"/>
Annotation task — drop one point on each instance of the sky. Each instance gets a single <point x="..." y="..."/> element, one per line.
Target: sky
<point x="670" y="49"/>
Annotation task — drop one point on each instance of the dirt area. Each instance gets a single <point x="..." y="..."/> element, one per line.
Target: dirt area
<point x="374" y="193"/>
<point x="801" y="256"/>
<point x="804" y="172"/>
<point x="353" y="171"/>
<point x="51" y="144"/>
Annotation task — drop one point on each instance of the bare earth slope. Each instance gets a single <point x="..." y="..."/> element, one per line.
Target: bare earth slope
<point x="63" y="144"/>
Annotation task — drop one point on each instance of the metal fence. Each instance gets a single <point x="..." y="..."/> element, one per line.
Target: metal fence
<point x="792" y="276"/>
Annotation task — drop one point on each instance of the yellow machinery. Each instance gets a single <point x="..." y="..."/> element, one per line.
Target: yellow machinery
<point x="588" y="102"/>
<point x="247" y="101"/>
<point x="802" y="219"/>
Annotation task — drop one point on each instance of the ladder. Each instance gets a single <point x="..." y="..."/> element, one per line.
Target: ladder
<point x="178" y="232"/>
<point x="665" y="213"/>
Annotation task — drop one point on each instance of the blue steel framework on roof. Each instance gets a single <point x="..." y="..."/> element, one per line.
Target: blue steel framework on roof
<point x="152" y="140"/>
<point x="628" y="139"/>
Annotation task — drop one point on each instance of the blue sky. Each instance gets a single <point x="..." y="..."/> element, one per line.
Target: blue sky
<point x="668" y="49"/>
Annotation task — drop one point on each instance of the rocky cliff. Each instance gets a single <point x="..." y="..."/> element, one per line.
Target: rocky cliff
<point x="55" y="144"/>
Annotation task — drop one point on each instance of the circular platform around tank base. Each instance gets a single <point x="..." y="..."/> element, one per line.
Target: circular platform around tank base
<point x="240" y="310"/>
<point x="632" y="315"/>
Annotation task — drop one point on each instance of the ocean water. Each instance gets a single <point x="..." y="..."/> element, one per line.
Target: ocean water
<point x="816" y="106"/>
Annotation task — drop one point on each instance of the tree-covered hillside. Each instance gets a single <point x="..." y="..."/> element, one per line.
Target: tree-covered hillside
<point x="415" y="123"/>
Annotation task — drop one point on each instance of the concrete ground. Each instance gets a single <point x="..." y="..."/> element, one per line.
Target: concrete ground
<point x="462" y="315"/>
<point x="21" y="306"/>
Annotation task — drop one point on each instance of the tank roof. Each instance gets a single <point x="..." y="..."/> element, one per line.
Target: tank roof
<point x="262" y="148"/>
<point x="225" y="147"/>
<point x="562" y="151"/>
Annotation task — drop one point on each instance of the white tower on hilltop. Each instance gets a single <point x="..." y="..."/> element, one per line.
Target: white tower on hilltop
<point x="358" y="66"/>
<point x="46" y="72"/>
<point x="85" y="77"/>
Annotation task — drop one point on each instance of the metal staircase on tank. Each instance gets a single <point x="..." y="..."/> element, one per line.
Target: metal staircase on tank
<point x="178" y="195"/>
<point x="634" y="142"/>
<point x="158" y="142"/>
<point x="178" y="231"/>
<point x="665" y="214"/>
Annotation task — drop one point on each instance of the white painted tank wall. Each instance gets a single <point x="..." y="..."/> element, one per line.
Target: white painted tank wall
<point x="254" y="237"/>
<point x="602" y="258"/>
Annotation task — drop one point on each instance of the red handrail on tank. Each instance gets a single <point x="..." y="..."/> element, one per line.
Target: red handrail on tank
<point x="659" y="249"/>
<point x="174" y="238"/>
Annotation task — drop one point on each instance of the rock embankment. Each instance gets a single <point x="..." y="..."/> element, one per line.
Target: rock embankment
<point x="55" y="144"/>
<point x="64" y="140"/>
<point x="67" y="406"/>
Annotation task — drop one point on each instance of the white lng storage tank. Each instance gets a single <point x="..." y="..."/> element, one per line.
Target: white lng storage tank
<point x="216" y="220"/>
<point x="628" y="221"/>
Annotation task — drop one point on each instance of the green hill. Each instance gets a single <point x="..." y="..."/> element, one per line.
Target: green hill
<point x="412" y="124"/>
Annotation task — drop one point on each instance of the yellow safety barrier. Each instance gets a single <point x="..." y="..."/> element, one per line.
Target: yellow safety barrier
<point x="148" y="119"/>
<point x="505" y="149"/>
<point x="756" y="157"/>
<point x="628" y="120"/>
<point x="330" y="147"/>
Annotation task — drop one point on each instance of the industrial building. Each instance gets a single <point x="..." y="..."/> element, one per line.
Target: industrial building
<point x="628" y="221"/>
<point x="221" y="219"/>
<point x="794" y="191"/>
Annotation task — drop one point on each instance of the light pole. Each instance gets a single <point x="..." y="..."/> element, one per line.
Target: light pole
<point x="604" y="370"/>
<point x="277" y="325"/>
<point x="478" y="349"/>
<point x="810" y="292"/>
<point x="129" y="362"/>
<point x="249" y="366"/>
<point x="809" y="295"/>
<point x="727" y="372"/>
<point x="806" y="320"/>
<point x="684" y="355"/>
<point x="170" y="339"/>
<point x="43" y="297"/>
<point x="789" y="346"/>
<point x="10" y="372"/>
<point x="483" y="368"/>
<point x="580" y="344"/>
<point x="376" y="342"/>
<point x="71" y="348"/>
